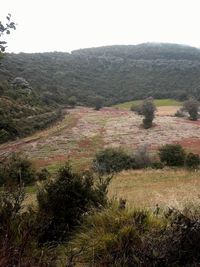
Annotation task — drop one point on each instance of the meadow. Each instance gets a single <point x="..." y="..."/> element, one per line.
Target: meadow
<point x="84" y="131"/>
<point x="158" y="102"/>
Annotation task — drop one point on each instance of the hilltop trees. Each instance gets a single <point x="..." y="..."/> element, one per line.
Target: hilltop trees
<point x="192" y="107"/>
<point x="148" y="109"/>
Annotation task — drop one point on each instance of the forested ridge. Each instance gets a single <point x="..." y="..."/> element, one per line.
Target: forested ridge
<point x="33" y="87"/>
<point x="117" y="73"/>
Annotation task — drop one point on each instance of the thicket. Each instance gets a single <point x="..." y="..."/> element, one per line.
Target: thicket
<point x="19" y="119"/>
<point x="192" y="161"/>
<point x="19" y="233"/>
<point x="73" y="210"/>
<point x="138" y="237"/>
<point x="172" y="155"/>
<point x="112" y="160"/>
<point x="16" y="170"/>
<point x="63" y="201"/>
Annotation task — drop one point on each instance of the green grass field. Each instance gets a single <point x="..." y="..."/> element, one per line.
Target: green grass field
<point x="158" y="103"/>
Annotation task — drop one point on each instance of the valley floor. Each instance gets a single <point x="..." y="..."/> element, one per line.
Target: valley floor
<point x="85" y="131"/>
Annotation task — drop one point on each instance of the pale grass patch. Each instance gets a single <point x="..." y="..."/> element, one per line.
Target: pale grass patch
<point x="165" y="187"/>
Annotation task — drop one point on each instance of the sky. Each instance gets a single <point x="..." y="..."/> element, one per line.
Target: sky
<point x="66" y="25"/>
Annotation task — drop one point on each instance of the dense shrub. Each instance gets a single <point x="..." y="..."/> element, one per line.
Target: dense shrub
<point x="172" y="155"/>
<point x="63" y="201"/>
<point x="192" y="161"/>
<point x="142" y="158"/>
<point x="42" y="175"/>
<point x="72" y="101"/>
<point x="192" y="107"/>
<point x="16" y="170"/>
<point x="112" y="160"/>
<point x="120" y="237"/>
<point x="148" y="109"/>
<point x="18" y="234"/>
<point x="115" y="237"/>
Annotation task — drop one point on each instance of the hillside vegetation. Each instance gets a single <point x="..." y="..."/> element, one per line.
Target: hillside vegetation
<point x="117" y="73"/>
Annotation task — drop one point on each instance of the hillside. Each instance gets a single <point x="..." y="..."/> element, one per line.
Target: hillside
<point x="117" y="73"/>
<point x="84" y="131"/>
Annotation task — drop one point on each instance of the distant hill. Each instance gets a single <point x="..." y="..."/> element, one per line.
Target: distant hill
<point x="117" y="73"/>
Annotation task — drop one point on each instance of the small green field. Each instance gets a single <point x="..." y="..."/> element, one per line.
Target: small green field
<point x="158" y="103"/>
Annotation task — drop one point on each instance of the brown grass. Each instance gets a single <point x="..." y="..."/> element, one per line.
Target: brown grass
<point x="165" y="187"/>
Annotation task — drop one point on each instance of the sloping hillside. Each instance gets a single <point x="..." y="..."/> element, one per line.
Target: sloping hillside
<point x="117" y="73"/>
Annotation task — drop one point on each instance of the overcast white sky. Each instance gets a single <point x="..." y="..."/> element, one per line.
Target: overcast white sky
<point x="65" y="25"/>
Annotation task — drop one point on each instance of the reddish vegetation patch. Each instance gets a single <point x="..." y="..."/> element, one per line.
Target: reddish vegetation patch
<point x="84" y="131"/>
<point x="193" y="122"/>
<point x="192" y="144"/>
<point x="40" y="163"/>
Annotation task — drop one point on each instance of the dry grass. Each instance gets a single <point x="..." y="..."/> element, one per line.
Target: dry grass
<point x="165" y="187"/>
<point x="167" y="110"/>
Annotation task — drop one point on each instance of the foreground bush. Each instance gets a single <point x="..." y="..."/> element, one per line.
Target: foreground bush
<point x="19" y="234"/>
<point x="172" y="155"/>
<point x="115" y="237"/>
<point x="63" y="201"/>
<point x="138" y="238"/>
<point x="16" y="170"/>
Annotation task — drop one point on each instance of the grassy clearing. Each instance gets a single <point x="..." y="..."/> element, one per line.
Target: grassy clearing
<point x="158" y="103"/>
<point x="167" y="187"/>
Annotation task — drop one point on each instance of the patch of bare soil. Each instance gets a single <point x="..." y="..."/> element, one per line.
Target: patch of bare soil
<point x="167" y="110"/>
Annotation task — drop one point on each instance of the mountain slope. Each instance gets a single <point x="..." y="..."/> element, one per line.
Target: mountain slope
<point x="117" y="73"/>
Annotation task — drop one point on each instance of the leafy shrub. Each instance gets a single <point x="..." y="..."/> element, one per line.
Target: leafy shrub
<point x="115" y="237"/>
<point x="120" y="237"/>
<point x="98" y="102"/>
<point x="172" y="155"/>
<point x="42" y="175"/>
<point x="112" y="160"/>
<point x="63" y="201"/>
<point x="18" y="233"/>
<point x="192" y="161"/>
<point x="148" y="109"/>
<point x="182" y="237"/>
<point x="157" y="165"/>
<point x="72" y="100"/>
<point x="16" y="170"/>
<point x="142" y="158"/>
<point x="192" y="107"/>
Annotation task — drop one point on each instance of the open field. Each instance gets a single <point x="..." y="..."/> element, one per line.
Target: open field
<point x="84" y="131"/>
<point x="165" y="187"/>
<point x="158" y="103"/>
